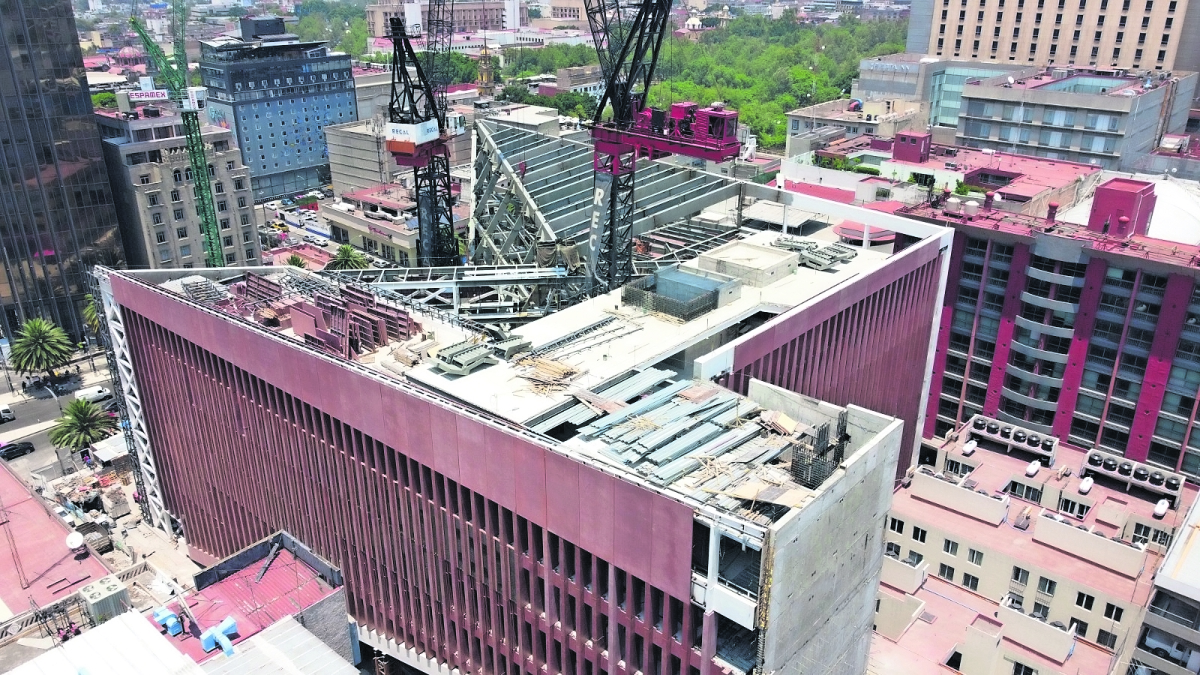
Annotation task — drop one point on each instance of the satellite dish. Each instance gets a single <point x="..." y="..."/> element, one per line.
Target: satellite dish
<point x="74" y="541"/>
<point x="1011" y="80"/>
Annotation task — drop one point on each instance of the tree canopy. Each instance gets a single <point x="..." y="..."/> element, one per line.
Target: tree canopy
<point x="339" y="23"/>
<point x="571" y="103"/>
<point x="347" y="258"/>
<point x="40" y="346"/>
<point x="82" y="424"/>
<point x="760" y="67"/>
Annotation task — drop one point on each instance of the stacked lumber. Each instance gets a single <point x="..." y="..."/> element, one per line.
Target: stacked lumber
<point x="547" y="375"/>
<point x="778" y="422"/>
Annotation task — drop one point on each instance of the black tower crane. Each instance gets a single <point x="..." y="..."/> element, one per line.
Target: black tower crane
<point x="628" y="35"/>
<point x="417" y="133"/>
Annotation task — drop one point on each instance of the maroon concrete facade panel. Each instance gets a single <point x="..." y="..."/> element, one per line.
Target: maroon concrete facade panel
<point x="867" y="344"/>
<point x="473" y="544"/>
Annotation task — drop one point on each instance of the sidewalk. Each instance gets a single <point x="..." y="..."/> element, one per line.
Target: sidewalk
<point x="17" y="434"/>
<point x="87" y="378"/>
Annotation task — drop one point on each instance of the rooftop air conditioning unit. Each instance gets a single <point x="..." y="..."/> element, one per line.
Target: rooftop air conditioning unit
<point x="105" y="598"/>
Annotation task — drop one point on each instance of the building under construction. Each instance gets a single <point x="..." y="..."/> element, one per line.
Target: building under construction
<point x="683" y="475"/>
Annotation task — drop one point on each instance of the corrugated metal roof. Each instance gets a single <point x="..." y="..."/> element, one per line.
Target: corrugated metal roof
<point x="286" y="648"/>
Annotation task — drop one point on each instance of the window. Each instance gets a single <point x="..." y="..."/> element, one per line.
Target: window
<point x="249" y="254"/>
<point x="231" y="258"/>
<point x="1085" y="601"/>
<point x="1040" y="610"/>
<point x="239" y="184"/>
<point x="224" y="223"/>
<point x="892" y="549"/>
<point x="970" y="581"/>
<point x="1022" y="669"/>
<point x="178" y="214"/>
<point x="246" y="240"/>
<point x="222" y="206"/>
<point x="227" y="241"/>
<point x="946" y="572"/>
<point x="160" y="237"/>
<point x="185" y="251"/>
<point x="1047" y="586"/>
<point x="896" y="526"/>
<point x="950" y="547"/>
<point x="1080" y="627"/>
<point x="241" y="202"/>
<point x="1107" y="639"/>
<point x="181" y="232"/>
<point x="918" y="534"/>
<point x="975" y="557"/>
<point x="157" y="218"/>
<point x="245" y="218"/>
<point x="1113" y="612"/>
<point x="1021" y="576"/>
<point x="219" y="188"/>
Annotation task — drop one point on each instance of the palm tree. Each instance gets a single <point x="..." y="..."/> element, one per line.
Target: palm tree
<point x="82" y="424"/>
<point x="296" y="261"/>
<point x="347" y="259"/>
<point x="40" y="347"/>
<point x="91" y="314"/>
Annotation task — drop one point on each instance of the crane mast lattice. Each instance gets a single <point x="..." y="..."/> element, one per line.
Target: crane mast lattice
<point x="190" y="101"/>
<point x="417" y="131"/>
<point x="628" y="35"/>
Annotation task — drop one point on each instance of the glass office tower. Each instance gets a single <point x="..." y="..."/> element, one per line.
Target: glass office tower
<point x="56" y="211"/>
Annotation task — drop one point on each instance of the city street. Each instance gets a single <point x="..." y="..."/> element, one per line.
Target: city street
<point x="35" y="414"/>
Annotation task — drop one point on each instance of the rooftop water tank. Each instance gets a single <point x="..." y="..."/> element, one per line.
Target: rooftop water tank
<point x="1033" y="468"/>
<point x="1085" y="485"/>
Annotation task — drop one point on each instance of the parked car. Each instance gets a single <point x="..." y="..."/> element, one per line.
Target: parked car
<point x="381" y="264"/>
<point x="309" y="239"/>
<point x="94" y="394"/>
<point x="6" y="413"/>
<point x="10" y="451"/>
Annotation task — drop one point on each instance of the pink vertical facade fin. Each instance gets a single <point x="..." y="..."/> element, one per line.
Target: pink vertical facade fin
<point x="1004" y="336"/>
<point x="1085" y="322"/>
<point x="1158" y="366"/>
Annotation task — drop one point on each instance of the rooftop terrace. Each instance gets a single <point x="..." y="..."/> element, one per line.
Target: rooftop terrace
<point x="994" y="501"/>
<point x="624" y="379"/>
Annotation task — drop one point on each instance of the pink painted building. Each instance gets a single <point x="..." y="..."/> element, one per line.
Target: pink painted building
<point x="1088" y="331"/>
<point x="630" y="484"/>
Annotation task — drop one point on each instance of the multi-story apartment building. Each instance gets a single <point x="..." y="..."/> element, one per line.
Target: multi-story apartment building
<point x="1082" y="116"/>
<point x="277" y="94"/>
<point x="470" y="16"/>
<point x="1125" y="34"/>
<point x="58" y="215"/>
<point x="1115" y="116"/>
<point x="486" y="522"/>
<point x="882" y="118"/>
<point x="1051" y="551"/>
<point x="1086" y="332"/>
<point x="153" y="188"/>
<point x="1168" y="641"/>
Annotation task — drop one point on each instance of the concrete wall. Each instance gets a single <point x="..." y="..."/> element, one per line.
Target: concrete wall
<point x="327" y="619"/>
<point x="826" y="558"/>
<point x="358" y="157"/>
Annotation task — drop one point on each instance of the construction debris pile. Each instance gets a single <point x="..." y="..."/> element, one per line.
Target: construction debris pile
<point x="712" y="445"/>
<point x="547" y="376"/>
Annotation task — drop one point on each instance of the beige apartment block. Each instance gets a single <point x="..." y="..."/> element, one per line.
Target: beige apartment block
<point x="1119" y="34"/>
<point x="1007" y="552"/>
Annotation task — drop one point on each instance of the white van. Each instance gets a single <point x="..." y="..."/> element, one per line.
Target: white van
<point x="94" y="394"/>
<point x="6" y="413"/>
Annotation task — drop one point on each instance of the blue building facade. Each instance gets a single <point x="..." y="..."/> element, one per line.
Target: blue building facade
<point x="277" y="94"/>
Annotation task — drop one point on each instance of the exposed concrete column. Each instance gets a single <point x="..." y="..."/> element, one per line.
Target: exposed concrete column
<point x="714" y="558"/>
